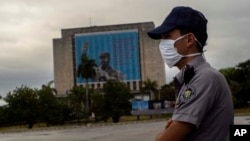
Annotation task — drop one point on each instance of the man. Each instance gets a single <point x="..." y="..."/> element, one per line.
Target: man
<point x="104" y="72"/>
<point x="203" y="109"/>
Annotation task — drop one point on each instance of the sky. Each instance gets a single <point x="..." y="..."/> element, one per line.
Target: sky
<point x="27" y="28"/>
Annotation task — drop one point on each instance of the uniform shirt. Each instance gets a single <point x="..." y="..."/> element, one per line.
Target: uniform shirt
<point x="203" y="99"/>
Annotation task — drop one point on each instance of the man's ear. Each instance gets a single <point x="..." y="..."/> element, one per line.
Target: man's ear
<point x="191" y="40"/>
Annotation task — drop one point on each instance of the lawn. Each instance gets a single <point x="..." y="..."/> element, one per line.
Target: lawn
<point x="242" y="111"/>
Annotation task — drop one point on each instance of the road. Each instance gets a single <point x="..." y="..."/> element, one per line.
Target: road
<point x="128" y="132"/>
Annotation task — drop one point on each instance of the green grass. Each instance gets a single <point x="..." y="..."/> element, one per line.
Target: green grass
<point x="13" y="128"/>
<point x="145" y="117"/>
<point x="242" y="111"/>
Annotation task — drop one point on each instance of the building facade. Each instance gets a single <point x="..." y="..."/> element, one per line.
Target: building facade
<point x="123" y="52"/>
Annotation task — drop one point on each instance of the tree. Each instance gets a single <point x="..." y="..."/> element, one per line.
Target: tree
<point x="243" y="70"/>
<point x="243" y="78"/>
<point x="229" y="73"/>
<point x="116" y="96"/>
<point x="151" y="88"/>
<point x="77" y="104"/>
<point x="49" y="87"/>
<point x="86" y="70"/>
<point x="4" y="120"/>
<point x="63" y="103"/>
<point x="168" y="92"/>
<point x="238" y="79"/>
<point x="98" y="106"/>
<point x="23" y="105"/>
<point x="50" y="110"/>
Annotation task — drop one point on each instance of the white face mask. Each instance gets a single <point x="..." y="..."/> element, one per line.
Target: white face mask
<point x="169" y="52"/>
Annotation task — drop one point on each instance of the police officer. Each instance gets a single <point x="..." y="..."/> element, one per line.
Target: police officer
<point x="204" y="108"/>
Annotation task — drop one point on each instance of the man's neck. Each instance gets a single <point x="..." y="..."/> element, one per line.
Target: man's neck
<point x="184" y="61"/>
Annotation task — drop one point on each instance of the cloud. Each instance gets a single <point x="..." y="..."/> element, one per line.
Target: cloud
<point x="28" y="27"/>
<point x="2" y="102"/>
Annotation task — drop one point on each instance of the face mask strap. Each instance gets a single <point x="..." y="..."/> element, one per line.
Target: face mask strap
<point x="181" y="37"/>
<point x="190" y="55"/>
<point x="198" y="42"/>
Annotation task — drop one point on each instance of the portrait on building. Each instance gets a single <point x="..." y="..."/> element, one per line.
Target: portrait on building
<point x="116" y="54"/>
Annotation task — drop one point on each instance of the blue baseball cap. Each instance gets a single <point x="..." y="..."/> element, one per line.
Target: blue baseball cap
<point x="183" y="17"/>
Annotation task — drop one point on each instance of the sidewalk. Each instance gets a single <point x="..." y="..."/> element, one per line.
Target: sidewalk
<point x="242" y="120"/>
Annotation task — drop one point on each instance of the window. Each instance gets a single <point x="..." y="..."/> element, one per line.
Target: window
<point x="134" y="85"/>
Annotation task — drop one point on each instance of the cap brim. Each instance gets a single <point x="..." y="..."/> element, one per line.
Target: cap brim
<point x="158" y="31"/>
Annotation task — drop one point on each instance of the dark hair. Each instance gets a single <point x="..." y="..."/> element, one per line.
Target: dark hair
<point x="201" y="37"/>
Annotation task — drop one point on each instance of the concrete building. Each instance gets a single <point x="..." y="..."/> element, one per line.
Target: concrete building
<point x="131" y="51"/>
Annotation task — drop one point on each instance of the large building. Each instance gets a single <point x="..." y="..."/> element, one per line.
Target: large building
<point x="123" y="52"/>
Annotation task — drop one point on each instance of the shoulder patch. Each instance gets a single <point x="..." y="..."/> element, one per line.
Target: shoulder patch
<point x="186" y="95"/>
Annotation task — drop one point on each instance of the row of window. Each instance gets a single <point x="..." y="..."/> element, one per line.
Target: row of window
<point x="134" y="85"/>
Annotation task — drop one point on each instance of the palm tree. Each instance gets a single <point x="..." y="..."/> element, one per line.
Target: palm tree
<point x="150" y="87"/>
<point x="49" y="87"/>
<point x="86" y="70"/>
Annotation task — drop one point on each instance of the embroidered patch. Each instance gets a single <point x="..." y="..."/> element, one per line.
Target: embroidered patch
<point x="186" y="95"/>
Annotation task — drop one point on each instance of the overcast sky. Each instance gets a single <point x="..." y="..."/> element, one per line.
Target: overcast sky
<point x="27" y="28"/>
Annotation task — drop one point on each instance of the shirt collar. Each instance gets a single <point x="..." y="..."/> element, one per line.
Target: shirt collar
<point x="193" y="63"/>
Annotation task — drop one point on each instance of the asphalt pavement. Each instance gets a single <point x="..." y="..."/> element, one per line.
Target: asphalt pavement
<point x="131" y="131"/>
